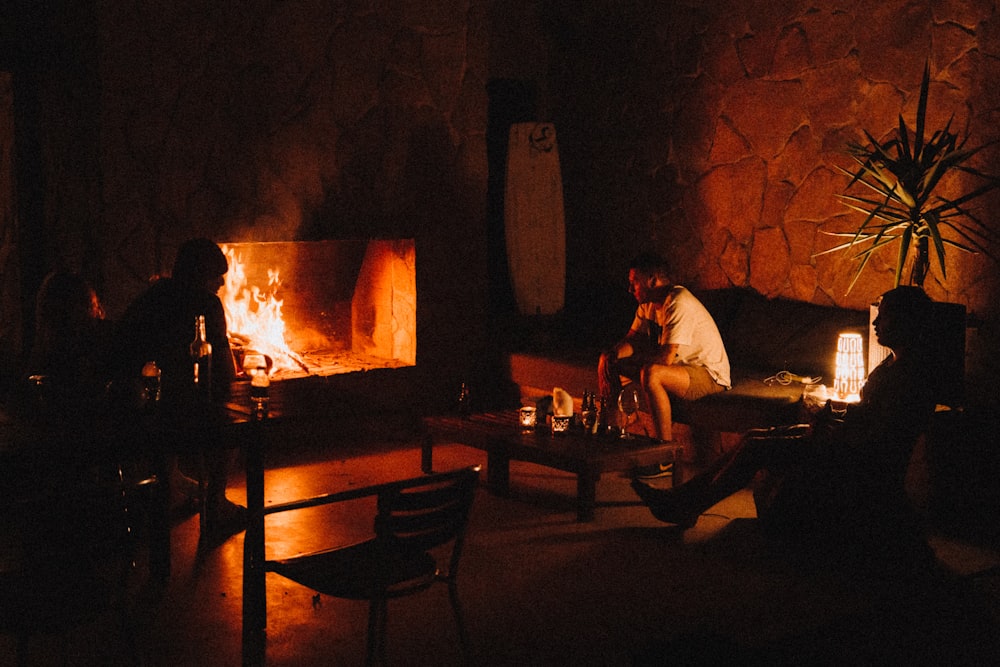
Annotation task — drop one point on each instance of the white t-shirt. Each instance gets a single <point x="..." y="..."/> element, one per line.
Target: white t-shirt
<point x="682" y="320"/>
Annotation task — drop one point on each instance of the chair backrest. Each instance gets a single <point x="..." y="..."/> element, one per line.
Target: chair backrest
<point x="426" y="512"/>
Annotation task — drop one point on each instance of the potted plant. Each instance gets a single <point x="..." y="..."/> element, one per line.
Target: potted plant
<point x="901" y="206"/>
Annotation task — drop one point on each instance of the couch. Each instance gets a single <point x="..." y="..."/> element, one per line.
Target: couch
<point x="763" y="337"/>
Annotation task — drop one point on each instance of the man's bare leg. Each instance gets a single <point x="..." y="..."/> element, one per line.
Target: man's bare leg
<point x="659" y="382"/>
<point x="612" y="365"/>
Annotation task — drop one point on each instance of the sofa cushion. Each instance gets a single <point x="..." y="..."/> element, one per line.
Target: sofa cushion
<point x="780" y="334"/>
<point x="752" y="402"/>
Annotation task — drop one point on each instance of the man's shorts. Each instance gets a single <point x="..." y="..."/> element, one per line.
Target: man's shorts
<point x="702" y="383"/>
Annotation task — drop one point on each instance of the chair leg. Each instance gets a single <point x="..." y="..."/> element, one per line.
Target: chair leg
<point x="377" y="613"/>
<point x="456" y="605"/>
<point x="383" y="630"/>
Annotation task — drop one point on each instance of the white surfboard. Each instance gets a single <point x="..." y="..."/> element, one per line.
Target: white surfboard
<point x="534" y="220"/>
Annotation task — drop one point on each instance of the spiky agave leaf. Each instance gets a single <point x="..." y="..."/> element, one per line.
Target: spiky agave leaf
<point x="935" y="234"/>
<point x="904" y="250"/>
<point x="925" y="84"/>
<point x="903" y="174"/>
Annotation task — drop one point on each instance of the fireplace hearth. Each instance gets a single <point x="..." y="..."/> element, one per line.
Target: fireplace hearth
<point x="321" y="308"/>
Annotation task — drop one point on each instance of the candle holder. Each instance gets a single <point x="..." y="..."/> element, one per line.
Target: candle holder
<point x="560" y="424"/>
<point x="528" y="417"/>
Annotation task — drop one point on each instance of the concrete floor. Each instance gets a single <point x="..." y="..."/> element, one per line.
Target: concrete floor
<point x="541" y="589"/>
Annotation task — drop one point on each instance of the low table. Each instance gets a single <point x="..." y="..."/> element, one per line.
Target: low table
<point x="585" y="455"/>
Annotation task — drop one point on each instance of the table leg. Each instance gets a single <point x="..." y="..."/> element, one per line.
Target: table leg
<point x="427" y="454"/>
<point x="586" y="493"/>
<point x="160" y="521"/>
<point x="498" y="471"/>
<point x="254" y="573"/>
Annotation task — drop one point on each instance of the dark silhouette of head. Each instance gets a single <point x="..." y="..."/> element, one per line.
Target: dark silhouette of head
<point x="650" y="264"/>
<point x="200" y="261"/>
<point x="904" y="318"/>
<point x="66" y="303"/>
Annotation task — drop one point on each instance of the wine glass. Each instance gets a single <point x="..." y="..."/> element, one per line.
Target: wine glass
<point x="628" y="406"/>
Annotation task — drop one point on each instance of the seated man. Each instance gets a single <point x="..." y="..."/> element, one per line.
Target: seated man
<point x="159" y="326"/>
<point x="672" y="349"/>
<point x="842" y="477"/>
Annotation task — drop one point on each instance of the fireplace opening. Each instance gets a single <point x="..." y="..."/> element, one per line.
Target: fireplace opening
<point x="320" y="308"/>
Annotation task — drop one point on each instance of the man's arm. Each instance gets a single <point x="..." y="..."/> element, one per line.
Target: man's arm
<point x="665" y="355"/>
<point x="626" y="347"/>
<point x="618" y="359"/>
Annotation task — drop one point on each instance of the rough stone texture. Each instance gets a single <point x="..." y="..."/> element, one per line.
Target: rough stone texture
<point x="785" y="82"/>
<point x="769" y="262"/>
<point x="767" y="113"/>
<point x="786" y="85"/>
<point x="273" y="122"/>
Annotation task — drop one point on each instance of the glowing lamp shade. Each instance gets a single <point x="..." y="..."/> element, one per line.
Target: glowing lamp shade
<point x="850" y="368"/>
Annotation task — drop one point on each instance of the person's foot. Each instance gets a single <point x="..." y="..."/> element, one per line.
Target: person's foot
<point x="223" y="519"/>
<point x="185" y="495"/>
<point x="667" y="505"/>
<point x="655" y="471"/>
<point x="181" y="506"/>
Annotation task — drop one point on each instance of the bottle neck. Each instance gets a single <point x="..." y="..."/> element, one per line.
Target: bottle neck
<point x="201" y="353"/>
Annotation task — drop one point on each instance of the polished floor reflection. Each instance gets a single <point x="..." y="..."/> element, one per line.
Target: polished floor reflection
<point x="540" y="588"/>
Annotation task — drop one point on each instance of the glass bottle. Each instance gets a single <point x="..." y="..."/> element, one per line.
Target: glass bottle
<point x="260" y="385"/>
<point x="149" y="393"/>
<point x="604" y="425"/>
<point x="201" y="358"/>
<point x="464" y="406"/>
<point x="589" y="412"/>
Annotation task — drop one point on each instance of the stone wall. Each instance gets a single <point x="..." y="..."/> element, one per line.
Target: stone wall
<point x="713" y="132"/>
<point x="710" y="130"/>
<point x="289" y="121"/>
<point x="273" y="121"/>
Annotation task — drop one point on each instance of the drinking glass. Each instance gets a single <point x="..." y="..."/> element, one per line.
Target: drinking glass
<point x="628" y="406"/>
<point x="253" y="361"/>
<point x="814" y="397"/>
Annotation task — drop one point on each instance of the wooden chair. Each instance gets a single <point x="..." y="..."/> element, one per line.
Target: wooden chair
<point x="419" y="530"/>
<point x="71" y="542"/>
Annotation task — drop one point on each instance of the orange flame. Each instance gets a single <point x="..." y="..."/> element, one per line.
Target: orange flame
<point x="253" y="314"/>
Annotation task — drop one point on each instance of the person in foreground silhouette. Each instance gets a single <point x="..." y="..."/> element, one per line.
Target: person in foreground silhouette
<point x="68" y="369"/>
<point x="842" y="477"/>
<point x="159" y="326"/>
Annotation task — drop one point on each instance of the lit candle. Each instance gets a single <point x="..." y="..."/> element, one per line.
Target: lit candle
<point x="528" y="418"/>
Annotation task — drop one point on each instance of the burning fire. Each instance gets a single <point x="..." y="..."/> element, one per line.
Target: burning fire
<point x="253" y="315"/>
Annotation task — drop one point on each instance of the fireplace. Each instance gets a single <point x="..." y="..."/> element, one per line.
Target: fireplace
<point x="322" y="308"/>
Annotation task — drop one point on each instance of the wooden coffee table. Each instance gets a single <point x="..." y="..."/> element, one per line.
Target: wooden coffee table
<point x="500" y="436"/>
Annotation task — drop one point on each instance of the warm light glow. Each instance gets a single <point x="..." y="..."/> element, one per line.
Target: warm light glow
<point x="321" y="308"/>
<point x="850" y="368"/>
<point x="253" y="314"/>
<point x="528" y="417"/>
